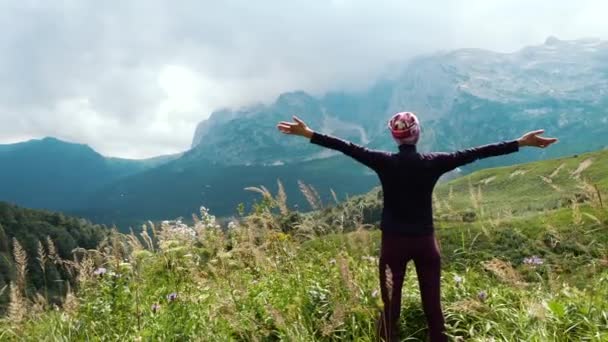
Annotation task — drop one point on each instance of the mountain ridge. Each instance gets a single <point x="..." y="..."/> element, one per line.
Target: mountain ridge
<point x="543" y="84"/>
<point x="465" y="98"/>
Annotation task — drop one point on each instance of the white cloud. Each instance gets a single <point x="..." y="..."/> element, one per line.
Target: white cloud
<point x="133" y="78"/>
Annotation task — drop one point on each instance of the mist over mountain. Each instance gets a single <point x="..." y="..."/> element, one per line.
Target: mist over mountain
<point x="464" y="98"/>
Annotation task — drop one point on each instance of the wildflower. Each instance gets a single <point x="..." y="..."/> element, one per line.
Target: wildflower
<point x="100" y="271"/>
<point x="179" y="229"/>
<point x="155" y="307"/>
<point x="172" y="297"/>
<point x="332" y="261"/>
<point x="232" y="225"/>
<point x="533" y="260"/>
<point x="458" y="279"/>
<point x="482" y="295"/>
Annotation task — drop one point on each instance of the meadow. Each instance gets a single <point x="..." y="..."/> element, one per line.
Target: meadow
<point x="524" y="258"/>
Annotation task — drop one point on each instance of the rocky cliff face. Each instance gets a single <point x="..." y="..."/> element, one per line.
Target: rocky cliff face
<point x="462" y="97"/>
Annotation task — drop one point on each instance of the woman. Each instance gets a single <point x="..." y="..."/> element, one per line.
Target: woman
<point x="408" y="178"/>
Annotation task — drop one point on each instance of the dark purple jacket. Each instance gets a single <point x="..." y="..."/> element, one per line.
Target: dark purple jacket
<point x="408" y="178"/>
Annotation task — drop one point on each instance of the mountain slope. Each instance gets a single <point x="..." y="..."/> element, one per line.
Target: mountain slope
<point x="560" y="85"/>
<point x="179" y="188"/>
<point x="31" y="227"/>
<point x="518" y="190"/>
<point x="53" y="174"/>
<point x="534" y="186"/>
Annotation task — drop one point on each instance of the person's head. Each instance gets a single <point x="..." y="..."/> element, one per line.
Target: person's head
<point x="405" y="128"/>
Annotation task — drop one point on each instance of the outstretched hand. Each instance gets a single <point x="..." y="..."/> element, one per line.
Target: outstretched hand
<point x="297" y="128"/>
<point x="533" y="139"/>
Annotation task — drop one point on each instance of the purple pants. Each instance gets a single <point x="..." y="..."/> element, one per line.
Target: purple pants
<point x="395" y="253"/>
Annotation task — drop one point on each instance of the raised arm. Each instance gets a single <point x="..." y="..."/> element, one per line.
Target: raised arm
<point x="449" y="161"/>
<point x="374" y="159"/>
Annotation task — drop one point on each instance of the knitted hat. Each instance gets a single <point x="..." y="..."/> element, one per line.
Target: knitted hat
<point x="405" y="128"/>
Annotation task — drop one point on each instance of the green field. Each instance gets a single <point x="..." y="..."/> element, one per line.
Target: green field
<point x="282" y="275"/>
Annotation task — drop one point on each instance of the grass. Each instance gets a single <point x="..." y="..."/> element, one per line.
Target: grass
<point x="533" y="186"/>
<point x="281" y="275"/>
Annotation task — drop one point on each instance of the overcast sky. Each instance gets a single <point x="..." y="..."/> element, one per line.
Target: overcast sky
<point x="133" y="78"/>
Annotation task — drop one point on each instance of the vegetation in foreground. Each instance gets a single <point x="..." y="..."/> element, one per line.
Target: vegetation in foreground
<point x="536" y="274"/>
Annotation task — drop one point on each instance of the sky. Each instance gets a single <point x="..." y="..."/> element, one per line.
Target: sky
<point x="133" y="78"/>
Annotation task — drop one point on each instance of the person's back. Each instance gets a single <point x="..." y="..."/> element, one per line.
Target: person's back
<point x="408" y="179"/>
<point x="407" y="186"/>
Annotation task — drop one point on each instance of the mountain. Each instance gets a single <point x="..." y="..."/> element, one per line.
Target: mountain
<point x="179" y="188"/>
<point x="57" y="175"/>
<point x="465" y="97"/>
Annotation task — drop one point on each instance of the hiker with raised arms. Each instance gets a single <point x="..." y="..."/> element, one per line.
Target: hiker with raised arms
<point x="408" y="178"/>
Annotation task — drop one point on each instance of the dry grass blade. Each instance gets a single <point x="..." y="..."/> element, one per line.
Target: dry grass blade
<point x="147" y="239"/>
<point x="282" y="198"/>
<point x="436" y="203"/>
<point x="503" y="271"/>
<point x="389" y="282"/>
<point x="41" y="256"/>
<point x="70" y="304"/>
<point x="133" y="241"/>
<point x="336" y="320"/>
<point x="577" y="217"/>
<point x="276" y="316"/>
<point x="39" y="304"/>
<point x="20" y="264"/>
<point x="599" y="195"/>
<point x="334" y="196"/>
<point x="17" y="306"/>
<point x="346" y="276"/>
<point x="316" y="194"/>
<point x="309" y="194"/>
<point x="261" y="190"/>
<point x="474" y="197"/>
<point x="52" y="250"/>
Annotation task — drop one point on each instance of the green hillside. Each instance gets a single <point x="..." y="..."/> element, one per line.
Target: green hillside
<point x="277" y="274"/>
<point x="57" y="175"/>
<point x="180" y="187"/>
<point x="47" y="238"/>
<point x="519" y="190"/>
<point x="533" y="186"/>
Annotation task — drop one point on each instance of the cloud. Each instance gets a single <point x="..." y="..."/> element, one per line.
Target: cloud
<point x="133" y="78"/>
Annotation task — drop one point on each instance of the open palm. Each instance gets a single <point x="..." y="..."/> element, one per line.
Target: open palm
<point x="533" y="139"/>
<point x="296" y="128"/>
